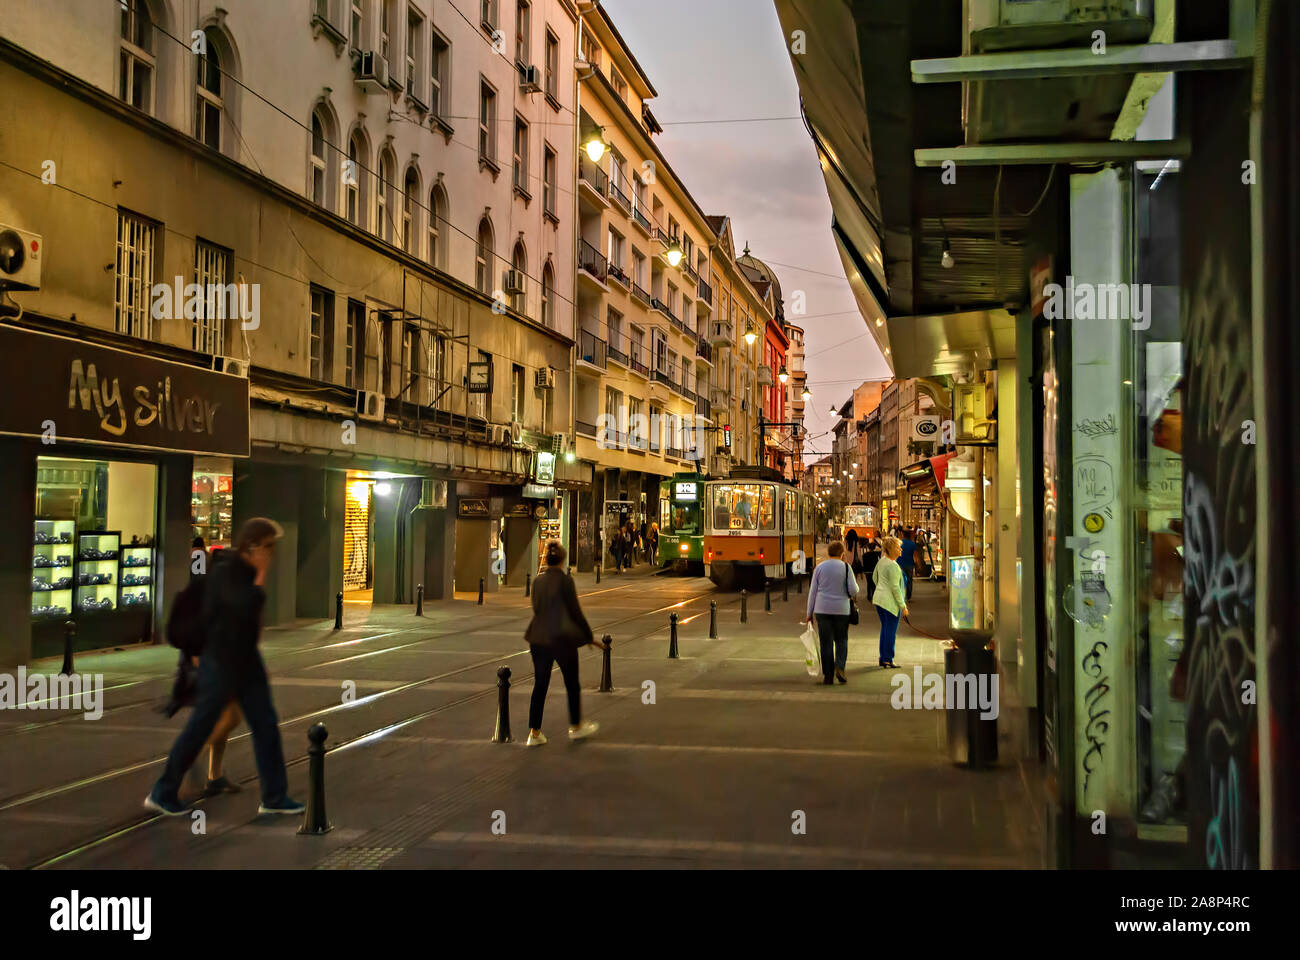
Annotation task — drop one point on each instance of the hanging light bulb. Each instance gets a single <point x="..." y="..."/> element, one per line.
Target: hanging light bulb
<point x="783" y="376"/>
<point x="807" y="395"/>
<point x="674" y="254"/>
<point x="750" y="335"/>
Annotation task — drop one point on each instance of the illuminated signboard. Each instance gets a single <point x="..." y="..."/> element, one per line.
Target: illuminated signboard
<point x="686" y="491"/>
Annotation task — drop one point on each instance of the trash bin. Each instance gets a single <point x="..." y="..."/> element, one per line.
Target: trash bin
<point x="972" y="741"/>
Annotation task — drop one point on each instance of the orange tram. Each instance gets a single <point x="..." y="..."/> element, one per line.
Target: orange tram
<point x="757" y="527"/>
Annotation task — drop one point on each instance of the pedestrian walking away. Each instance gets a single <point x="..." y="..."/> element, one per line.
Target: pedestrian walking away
<point x="830" y="601"/>
<point x="555" y="634"/>
<point x="907" y="560"/>
<point x="871" y="557"/>
<point x="890" y="599"/>
<point x="231" y="669"/>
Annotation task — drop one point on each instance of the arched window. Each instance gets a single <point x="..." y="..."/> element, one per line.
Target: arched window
<point x="483" y="259"/>
<point x="437" y="223"/>
<point x="548" y="296"/>
<point x="355" y="179"/>
<point x="137" y="61"/>
<point x="387" y="211"/>
<point x="411" y="212"/>
<point x="209" y="102"/>
<point x="519" y="269"/>
<point x="321" y="155"/>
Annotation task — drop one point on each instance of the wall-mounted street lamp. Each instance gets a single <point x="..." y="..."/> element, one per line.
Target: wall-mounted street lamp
<point x="807" y="395"/>
<point x="750" y="335"/>
<point x="595" y="145"/>
<point x="783" y="376"/>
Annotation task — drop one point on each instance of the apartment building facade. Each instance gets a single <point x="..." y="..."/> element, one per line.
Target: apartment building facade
<point x="377" y="189"/>
<point x="644" y="360"/>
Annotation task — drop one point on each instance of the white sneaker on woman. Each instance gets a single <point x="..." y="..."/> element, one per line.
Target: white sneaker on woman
<point x="536" y="739"/>
<point x="583" y="730"/>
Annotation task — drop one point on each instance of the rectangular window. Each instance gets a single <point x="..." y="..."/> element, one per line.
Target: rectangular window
<point x="521" y="155"/>
<point x="637" y="428"/>
<point x="523" y="33"/>
<point x="136" y="248"/>
<point x="548" y="180"/>
<point x="636" y="350"/>
<point x="440" y="73"/>
<point x="638" y="268"/>
<point x="615" y="330"/>
<point x="615" y="248"/>
<point x="136" y="60"/>
<point x="552" y="65"/>
<point x="614" y="415"/>
<point x="590" y="49"/>
<point x="488" y="9"/>
<point x="320" y="334"/>
<point x="487" y="121"/>
<point x="354" y="344"/>
<point x="414" y="54"/>
<point x="516" y="392"/>
<point x="385" y="30"/>
<point x="620" y="85"/>
<point x="212" y="272"/>
<point x="358" y="25"/>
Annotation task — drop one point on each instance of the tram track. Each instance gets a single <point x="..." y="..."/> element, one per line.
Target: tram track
<point x="36" y="797"/>
<point x="276" y="656"/>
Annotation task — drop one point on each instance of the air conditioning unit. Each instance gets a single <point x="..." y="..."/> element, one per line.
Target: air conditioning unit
<point x="433" y="493"/>
<point x="515" y="281"/>
<point x="516" y="433"/>
<point x="530" y="79"/>
<point x="545" y="379"/>
<point x="233" y="366"/>
<point x="372" y="72"/>
<point x="370" y="405"/>
<point x="20" y="259"/>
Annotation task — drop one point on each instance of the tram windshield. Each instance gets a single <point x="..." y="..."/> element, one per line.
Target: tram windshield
<point x="743" y="506"/>
<point x="679" y="517"/>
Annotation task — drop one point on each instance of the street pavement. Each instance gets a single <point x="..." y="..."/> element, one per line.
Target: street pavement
<point x="729" y="756"/>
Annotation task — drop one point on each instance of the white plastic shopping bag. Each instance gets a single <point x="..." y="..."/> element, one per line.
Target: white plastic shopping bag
<point x="812" y="651"/>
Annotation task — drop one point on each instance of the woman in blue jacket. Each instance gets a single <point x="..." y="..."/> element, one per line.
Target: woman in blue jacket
<point x="829" y="596"/>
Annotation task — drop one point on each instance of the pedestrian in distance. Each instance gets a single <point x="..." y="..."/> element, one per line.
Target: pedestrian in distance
<point x="654" y="543"/>
<point x="890" y="600"/>
<point x="556" y="633"/>
<point x="830" y="601"/>
<point x="231" y="668"/>
<point x="907" y="560"/>
<point x="870" y="558"/>
<point x="643" y="536"/>
<point x="616" y="549"/>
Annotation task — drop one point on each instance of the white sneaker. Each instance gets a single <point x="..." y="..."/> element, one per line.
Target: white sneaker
<point x="536" y="739"/>
<point x="584" y="730"/>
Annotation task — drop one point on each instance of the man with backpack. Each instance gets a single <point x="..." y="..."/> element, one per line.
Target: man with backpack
<point x="231" y="669"/>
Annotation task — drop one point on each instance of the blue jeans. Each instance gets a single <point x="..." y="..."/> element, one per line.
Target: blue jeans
<point x="888" y="633"/>
<point x="217" y="686"/>
<point x="907" y="580"/>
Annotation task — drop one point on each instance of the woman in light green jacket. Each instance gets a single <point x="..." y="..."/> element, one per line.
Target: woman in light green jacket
<point x="890" y="599"/>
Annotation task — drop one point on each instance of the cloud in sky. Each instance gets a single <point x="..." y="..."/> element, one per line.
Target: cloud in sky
<point x="725" y="60"/>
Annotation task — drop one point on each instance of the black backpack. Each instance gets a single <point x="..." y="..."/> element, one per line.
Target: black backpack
<point x="185" y="624"/>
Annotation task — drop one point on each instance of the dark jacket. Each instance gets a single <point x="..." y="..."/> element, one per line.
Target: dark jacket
<point x="557" y="619"/>
<point x="232" y="615"/>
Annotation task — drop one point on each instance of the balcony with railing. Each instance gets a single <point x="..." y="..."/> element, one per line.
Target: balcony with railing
<point x="641" y="293"/>
<point x="593" y="182"/>
<point x="719" y="399"/>
<point x="704" y="351"/>
<point x="640" y="218"/>
<point x="592" y="263"/>
<point x="636" y="363"/>
<point x="690" y="270"/>
<point x="592" y="352"/>
<point x="667" y="376"/>
<point x="619" y="276"/>
<point x="704" y="295"/>
<point x="662" y="236"/>
<point x="720" y="332"/>
<point x="620" y="198"/>
<point x="702" y="407"/>
<point x="585" y="429"/>
<point x="613" y="352"/>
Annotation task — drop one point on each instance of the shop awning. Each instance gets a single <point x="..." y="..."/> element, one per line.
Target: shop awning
<point x="930" y="470"/>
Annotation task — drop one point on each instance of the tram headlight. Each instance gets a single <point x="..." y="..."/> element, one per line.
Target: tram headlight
<point x="685" y="547"/>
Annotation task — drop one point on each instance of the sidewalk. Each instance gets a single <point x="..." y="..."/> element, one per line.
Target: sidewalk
<point x="730" y="756"/>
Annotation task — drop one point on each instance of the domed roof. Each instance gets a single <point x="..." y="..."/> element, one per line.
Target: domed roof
<point x="762" y="271"/>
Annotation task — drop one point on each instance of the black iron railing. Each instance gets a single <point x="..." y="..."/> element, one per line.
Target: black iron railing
<point x="592" y="349"/>
<point x="591" y="260"/>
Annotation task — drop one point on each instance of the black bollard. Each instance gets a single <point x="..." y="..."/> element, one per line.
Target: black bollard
<point x="767" y="598"/>
<point x="606" y="677"/>
<point x="672" y="636"/>
<point x="69" y="634"/>
<point x="798" y="584"/>
<point x="744" y="606"/>
<point x="338" y="611"/>
<point x="713" y="619"/>
<point x="502" y="732"/>
<point x="598" y="571"/>
<point x="785" y="589"/>
<point x="419" y="600"/>
<point x="528" y="584"/>
<point x="480" y="591"/>
<point x="314" y="821"/>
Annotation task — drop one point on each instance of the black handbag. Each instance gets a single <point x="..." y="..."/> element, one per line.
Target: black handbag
<point x="853" y="607"/>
